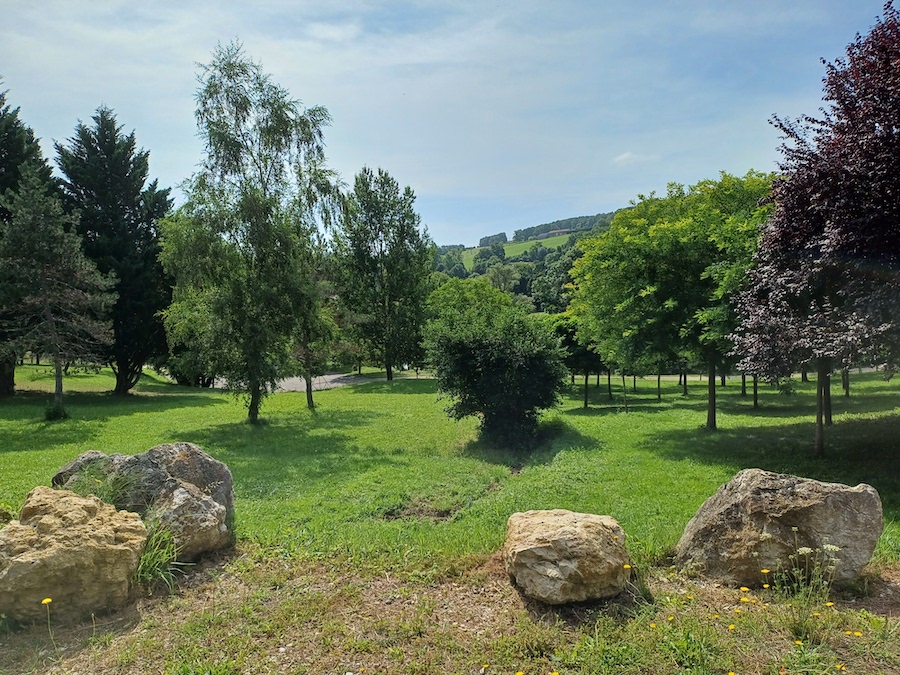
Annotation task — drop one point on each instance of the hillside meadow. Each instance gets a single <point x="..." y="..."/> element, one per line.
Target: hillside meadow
<point x="516" y="248"/>
<point x="368" y="531"/>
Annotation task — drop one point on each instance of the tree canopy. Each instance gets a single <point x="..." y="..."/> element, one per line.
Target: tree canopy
<point x="655" y="289"/>
<point x="825" y="284"/>
<point x="385" y="263"/>
<point x="240" y="248"/>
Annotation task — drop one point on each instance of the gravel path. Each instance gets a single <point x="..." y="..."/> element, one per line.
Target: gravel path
<point x="327" y="381"/>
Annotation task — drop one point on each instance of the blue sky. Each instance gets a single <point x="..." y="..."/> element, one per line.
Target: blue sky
<point x="500" y="115"/>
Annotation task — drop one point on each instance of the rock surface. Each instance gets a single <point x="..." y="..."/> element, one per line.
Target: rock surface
<point x="560" y="556"/>
<point x="758" y="519"/>
<point x="78" y="551"/>
<point x="176" y="484"/>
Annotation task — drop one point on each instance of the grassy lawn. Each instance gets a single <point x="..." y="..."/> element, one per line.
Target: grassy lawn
<point x="368" y="532"/>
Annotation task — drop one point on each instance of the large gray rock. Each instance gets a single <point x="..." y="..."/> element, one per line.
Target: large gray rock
<point x="758" y="519"/>
<point x="78" y="551"/>
<point x="560" y="556"/>
<point x="176" y="484"/>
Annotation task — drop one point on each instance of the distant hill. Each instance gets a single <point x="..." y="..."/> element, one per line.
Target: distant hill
<point x="565" y="226"/>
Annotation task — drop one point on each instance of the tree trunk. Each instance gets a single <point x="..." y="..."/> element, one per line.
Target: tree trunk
<point x="634" y="383"/>
<point x="624" y="391"/>
<point x="572" y="376"/>
<point x="680" y="375"/>
<point x="307" y="378"/>
<point x="7" y="375"/>
<point x="659" y="386"/>
<point x="804" y="376"/>
<point x="255" y="400"/>
<point x="586" y="376"/>
<point x="723" y="379"/>
<point x="845" y="381"/>
<point x="826" y="397"/>
<point x="390" y="371"/>
<point x="684" y="391"/>
<point x="819" y="446"/>
<point x="598" y="379"/>
<point x="711" y="393"/>
<point x="58" y="387"/>
<point x="756" y="391"/>
<point x="744" y="384"/>
<point x="609" y="383"/>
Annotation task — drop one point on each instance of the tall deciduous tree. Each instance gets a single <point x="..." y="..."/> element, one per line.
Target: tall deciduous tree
<point x="826" y="282"/>
<point x="240" y="249"/>
<point x="17" y="146"/>
<point x="385" y="263"/>
<point x="656" y="287"/>
<point x="52" y="296"/>
<point x="106" y="181"/>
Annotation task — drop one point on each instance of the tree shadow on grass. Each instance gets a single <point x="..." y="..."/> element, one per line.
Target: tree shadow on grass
<point x="87" y="412"/>
<point x="857" y="451"/>
<point x="401" y="386"/>
<point x="269" y="458"/>
<point x="552" y="436"/>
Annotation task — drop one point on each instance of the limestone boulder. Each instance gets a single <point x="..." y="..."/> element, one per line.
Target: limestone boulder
<point x="560" y="556"/>
<point x="78" y="551"/>
<point x="177" y="476"/>
<point x="758" y="519"/>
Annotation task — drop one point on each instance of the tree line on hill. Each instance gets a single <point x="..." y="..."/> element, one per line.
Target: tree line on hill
<point x="271" y="268"/>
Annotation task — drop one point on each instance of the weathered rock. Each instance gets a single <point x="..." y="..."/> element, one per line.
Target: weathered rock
<point x="195" y="520"/>
<point x="758" y="519"/>
<point x="78" y="551"/>
<point x="176" y="475"/>
<point x="560" y="556"/>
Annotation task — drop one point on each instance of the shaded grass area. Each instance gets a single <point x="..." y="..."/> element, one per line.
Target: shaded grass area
<point x="367" y="530"/>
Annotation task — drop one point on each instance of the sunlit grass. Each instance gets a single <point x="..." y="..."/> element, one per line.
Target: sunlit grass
<point x="377" y="486"/>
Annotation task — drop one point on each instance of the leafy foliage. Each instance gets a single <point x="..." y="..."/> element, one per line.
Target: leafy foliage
<point x="656" y="288"/>
<point x="493" y="361"/>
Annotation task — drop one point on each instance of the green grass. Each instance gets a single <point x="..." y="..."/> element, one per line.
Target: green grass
<point x="378" y="486"/>
<point x="516" y="248"/>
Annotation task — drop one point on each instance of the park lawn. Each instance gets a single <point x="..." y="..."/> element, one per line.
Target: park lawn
<point x="378" y="489"/>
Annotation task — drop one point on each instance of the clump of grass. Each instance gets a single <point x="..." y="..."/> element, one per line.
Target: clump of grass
<point x="112" y="488"/>
<point x="159" y="564"/>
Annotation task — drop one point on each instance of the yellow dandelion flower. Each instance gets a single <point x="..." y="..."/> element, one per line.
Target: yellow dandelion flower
<point x="753" y="601"/>
<point x="737" y="610"/>
<point x="731" y="626"/>
<point x="652" y="625"/>
<point x="765" y="571"/>
<point x="798" y="642"/>
<point x="715" y="616"/>
<point x="744" y="589"/>
<point x="519" y="672"/>
<point x="840" y="666"/>
<point x="615" y="536"/>
<point x="816" y="614"/>
<point x="765" y="585"/>
<point x="857" y="633"/>
<point x="671" y="618"/>
<point x="46" y="601"/>
<point x="829" y="604"/>
<point x="745" y="599"/>
<point x="689" y="597"/>
<point x="627" y="566"/>
<point x="554" y="673"/>
<point x="848" y="632"/>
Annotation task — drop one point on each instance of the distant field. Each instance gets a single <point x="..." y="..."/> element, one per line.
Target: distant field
<point x="513" y="249"/>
